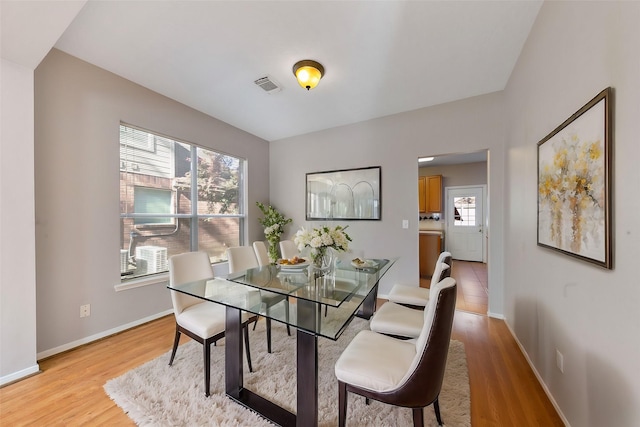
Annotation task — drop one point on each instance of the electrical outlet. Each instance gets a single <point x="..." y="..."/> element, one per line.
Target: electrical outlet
<point x="560" y="360"/>
<point x="85" y="310"/>
<point x="405" y="223"/>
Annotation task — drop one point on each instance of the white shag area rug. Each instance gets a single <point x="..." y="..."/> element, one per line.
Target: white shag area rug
<point x="156" y="394"/>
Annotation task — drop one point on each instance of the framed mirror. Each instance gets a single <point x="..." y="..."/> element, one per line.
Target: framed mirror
<point x="351" y="194"/>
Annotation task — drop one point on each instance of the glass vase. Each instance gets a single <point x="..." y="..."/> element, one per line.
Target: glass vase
<point x="273" y="250"/>
<point x="322" y="261"/>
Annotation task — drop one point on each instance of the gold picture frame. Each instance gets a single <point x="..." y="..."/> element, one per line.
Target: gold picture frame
<point x="574" y="184"/>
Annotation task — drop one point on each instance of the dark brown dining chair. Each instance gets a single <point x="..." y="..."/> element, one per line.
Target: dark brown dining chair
<point x="399" y="372"/>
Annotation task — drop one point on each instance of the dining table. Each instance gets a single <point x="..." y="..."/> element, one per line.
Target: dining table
<point x="317" y="304"/>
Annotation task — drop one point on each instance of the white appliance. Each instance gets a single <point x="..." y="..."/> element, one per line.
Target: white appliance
<point x="124" y="261"/>
<point x="153" y="259"/>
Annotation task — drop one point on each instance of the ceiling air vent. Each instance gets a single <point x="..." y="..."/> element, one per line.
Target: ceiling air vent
<point x="267" y="84"/>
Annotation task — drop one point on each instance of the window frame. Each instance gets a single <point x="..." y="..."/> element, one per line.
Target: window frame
<point x="128" y="281"/>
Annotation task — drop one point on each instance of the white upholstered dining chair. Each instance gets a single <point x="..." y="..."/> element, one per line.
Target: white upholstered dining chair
<point x="402" y="321"/>
<point x="202" y="321"/>
<point x="400" y="372"/>
<point x="243" y="258"/>
<point x="262" y="255"/>
<point x="288" y="249"/>
<point x="416" y="296"/>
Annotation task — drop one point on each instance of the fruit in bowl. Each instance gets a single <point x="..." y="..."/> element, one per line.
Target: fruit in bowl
<point x="292" y="261"/>
<point x="359" y="262"/>
<point x="364" y="263"/>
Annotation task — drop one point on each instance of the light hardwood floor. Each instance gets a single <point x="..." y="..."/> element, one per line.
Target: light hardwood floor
<point x="69" y="391"/>
<point x="473" y="288"/>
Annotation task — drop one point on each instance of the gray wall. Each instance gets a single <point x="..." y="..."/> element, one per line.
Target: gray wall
<point x="77" y="114"/>
<point x="458" y="175"/>
<point x="17" y="230"/>
<point x="395" y="143"/>
<point x="552" y="301"/>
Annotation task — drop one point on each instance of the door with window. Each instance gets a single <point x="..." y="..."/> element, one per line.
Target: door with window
<point x="464" y="237"/>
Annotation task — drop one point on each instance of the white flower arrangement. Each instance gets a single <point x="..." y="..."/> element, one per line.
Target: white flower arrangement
<point x="319" y="239"/>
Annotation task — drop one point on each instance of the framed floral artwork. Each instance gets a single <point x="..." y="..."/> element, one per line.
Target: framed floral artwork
<point x="574" y="184"/>
<point x="352" y="194"/>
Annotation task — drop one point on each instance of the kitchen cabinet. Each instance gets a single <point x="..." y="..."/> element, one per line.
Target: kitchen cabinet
<point x="430" y="246"/>
<point x="422" y="201"/>
<point x="430" y="194"/>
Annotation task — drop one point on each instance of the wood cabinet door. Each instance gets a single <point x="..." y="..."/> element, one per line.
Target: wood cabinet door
<point x="424" y="255"/>
<point x="430" y="246"/>
<point x="422" y="199"/>
<point x="434" y="193"/>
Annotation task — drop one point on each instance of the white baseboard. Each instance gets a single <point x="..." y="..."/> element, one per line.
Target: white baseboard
<point x="496" y="316"/>
<point x="101" y="335"/>
<point x="535" y="372"/>
<point x="19" y="375"/>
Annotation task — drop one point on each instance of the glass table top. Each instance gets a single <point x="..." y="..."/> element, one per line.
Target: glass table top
<point x="322" y="306"/>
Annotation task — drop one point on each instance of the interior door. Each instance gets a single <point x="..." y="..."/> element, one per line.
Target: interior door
<point x="465" y="220"/>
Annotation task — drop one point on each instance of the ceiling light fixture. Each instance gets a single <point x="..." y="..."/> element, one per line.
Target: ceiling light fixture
<point x="425" y="159"/>
<point x="308" y="73"/>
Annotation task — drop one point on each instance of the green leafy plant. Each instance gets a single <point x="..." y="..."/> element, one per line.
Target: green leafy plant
<point x="273" y="223"/>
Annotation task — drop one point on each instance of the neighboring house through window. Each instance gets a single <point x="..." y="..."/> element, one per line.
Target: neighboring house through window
<point x="152" y="200"/>
<point x="175" y="197"/>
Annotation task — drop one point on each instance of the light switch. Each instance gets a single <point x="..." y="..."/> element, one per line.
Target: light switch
<point x="405" y="223"/>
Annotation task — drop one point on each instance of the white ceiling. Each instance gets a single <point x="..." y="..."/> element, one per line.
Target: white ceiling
<point x="380" y="57"/>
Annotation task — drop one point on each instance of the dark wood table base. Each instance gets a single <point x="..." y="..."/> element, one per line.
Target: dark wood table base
<point x="307" y="373"/>
<point x="264" y="407"/>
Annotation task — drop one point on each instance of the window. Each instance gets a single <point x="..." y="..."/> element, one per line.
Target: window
<point x="465" y="211"/>
<point x="175" y="197"/>
<point x="152" y="200"/>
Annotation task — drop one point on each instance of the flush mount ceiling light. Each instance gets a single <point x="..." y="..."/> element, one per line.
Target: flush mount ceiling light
<point x="425" y="159"/>
<point x="308" y="73"/>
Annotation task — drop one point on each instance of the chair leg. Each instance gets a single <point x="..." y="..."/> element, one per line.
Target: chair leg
<point x="342" y="404"/>
<point x="268" y="335"/>
<point x="436" y="408"/>
<point x="418" y="417"/>
<point x="245" y="329"/>
<point x="176" y="341"/>
<point x="207" y="366"/>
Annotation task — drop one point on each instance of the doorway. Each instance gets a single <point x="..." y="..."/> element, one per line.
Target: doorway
<point x="464" y="171"/>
